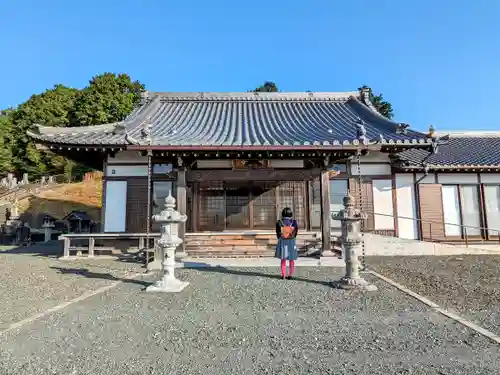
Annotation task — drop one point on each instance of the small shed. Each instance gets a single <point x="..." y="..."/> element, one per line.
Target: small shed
<point x="79" y="222"/>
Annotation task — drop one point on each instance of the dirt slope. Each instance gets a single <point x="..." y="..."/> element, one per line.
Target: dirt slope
<point x="62" y="199"/>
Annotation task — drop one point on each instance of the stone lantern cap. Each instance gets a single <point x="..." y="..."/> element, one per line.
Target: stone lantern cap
<point x="349" y="213"/>
<point x="169" y="214"/>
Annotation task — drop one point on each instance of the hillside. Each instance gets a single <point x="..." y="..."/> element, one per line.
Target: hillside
<point x="62" y="199"/>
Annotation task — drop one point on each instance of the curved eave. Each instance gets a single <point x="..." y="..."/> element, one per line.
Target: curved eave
<point x="89" y="135"/>
<point x="367" y="109"/>
<point x="55" y="147"/>
<point x="105" y="134"/>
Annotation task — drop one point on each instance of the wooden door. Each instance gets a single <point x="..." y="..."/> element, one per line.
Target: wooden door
<point x="431" y="212"/>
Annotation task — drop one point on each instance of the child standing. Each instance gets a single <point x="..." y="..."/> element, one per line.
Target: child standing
<point x="286" y="249"/>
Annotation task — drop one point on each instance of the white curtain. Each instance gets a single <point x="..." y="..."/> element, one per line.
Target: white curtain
<point x="471" y="214"/>
<point x="492" y="205"/>
<point x="451" y="209"/>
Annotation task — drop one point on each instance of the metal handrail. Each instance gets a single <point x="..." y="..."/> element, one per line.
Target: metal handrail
<point x="463" y="227"/>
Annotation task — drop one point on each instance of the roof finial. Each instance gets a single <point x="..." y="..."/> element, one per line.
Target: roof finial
<point x="144" y="97"/>
<point x="146" y="130"/>
<point x="361" y="130"/>
<point x="402" y="128"/>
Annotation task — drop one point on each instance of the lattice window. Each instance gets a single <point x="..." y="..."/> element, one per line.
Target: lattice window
<point x="237" y="205"/>
<point x="264" y="205"/>
<point x="315" y="194"/>
<point x="292" y="194"/>
<point x="212" y="205"/>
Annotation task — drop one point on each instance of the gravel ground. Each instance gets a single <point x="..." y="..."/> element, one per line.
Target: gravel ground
<point x="247" y="322"/>
<point x="469" y="285"/>
<point x="35" y="280"/>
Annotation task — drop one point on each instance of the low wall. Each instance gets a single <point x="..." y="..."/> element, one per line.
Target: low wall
<point x="393" y="246"/>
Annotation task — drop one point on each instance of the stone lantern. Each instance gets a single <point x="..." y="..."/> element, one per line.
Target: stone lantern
<point x="47" y="225"/>
<point x="169" y="219"/>
<point x="350" y="218"/>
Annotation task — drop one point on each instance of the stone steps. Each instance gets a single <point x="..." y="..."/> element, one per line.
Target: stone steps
<point x="241" y="245"/>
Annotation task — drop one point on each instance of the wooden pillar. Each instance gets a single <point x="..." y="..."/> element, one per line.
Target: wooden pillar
<point x="103" y="197"/>
<point x="325" y="211"/>
<point x="182" y="207"/>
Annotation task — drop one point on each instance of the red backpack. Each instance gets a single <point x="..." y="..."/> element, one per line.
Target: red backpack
<point x="287" y="231"/>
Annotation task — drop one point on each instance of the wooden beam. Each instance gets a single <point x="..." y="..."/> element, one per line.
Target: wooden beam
<point x="325" y="211"/>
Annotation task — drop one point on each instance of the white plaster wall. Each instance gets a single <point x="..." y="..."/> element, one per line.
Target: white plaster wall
<point x="451" y="211"/>
<point x="214" y="164"/>
<point x="423" y="179"/>
<point x="115" y="209"/>
<point x="128" y="157"/>
<point x="127" y="171"/>
<point x="406" y="206"/>
<point x="375" y="163"/>
<point x="490" y="178"/>
<point x="457" y="178"/>
<point x="279" y="163"/>
<point x="371" y="169"/>
<point x="375" y="157"/>
<point x="382" y="204"/>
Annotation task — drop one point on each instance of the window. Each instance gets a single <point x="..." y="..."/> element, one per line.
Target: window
<point x="471" y="214"/>
<point x="162" y="168"/>
<point x="492" y="208"/>
<point x="451" y="210"/>
<point x="338" y="190"/>
<point x="161" y="190"/>
<point x="461" y="210"/>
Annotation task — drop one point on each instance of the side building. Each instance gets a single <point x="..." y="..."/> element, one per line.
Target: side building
<point x="235" y="160"/>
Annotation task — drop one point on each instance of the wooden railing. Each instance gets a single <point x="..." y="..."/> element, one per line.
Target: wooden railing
<point x="91" y="238"/>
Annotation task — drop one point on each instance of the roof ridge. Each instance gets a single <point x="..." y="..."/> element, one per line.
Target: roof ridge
<point x="252" y="95"/>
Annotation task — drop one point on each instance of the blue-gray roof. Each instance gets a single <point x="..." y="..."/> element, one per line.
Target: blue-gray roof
<point x="241" y="119"/>
<point x="467" y="150"/>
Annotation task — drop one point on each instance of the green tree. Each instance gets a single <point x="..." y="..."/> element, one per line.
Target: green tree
<point x="108" y="98"/>
<point x="267" y="87"/>
<point x="6" y="162"/>
<point x="383" y="107"/>
<point x="50" y="108"/>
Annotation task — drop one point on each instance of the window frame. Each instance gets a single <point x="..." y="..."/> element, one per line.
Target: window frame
<point x="480" y="213"/>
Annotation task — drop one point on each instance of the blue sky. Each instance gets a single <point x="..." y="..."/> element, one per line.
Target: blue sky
<point x="436" y="61"/>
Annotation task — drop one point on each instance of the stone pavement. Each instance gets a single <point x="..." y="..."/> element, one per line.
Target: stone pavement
<point x="236" y="321"/>
<point x="467" y="284"/>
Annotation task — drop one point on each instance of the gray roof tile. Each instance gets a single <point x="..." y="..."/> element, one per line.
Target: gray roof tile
<point x="240" y="119"/>
<point x="467" y="150"/>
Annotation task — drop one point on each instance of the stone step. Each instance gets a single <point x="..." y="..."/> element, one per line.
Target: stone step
<point x="241" y="245"/>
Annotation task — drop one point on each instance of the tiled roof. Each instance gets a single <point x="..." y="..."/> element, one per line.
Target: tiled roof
<point x="461" y="150"/>
<point x="240" y="119"/>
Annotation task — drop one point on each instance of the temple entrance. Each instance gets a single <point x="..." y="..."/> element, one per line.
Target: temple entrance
<point x="253" y="205"/>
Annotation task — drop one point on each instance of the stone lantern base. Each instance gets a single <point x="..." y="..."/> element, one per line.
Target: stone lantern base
<point x="167" y="285"/>
<point x="357" y="283"/>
